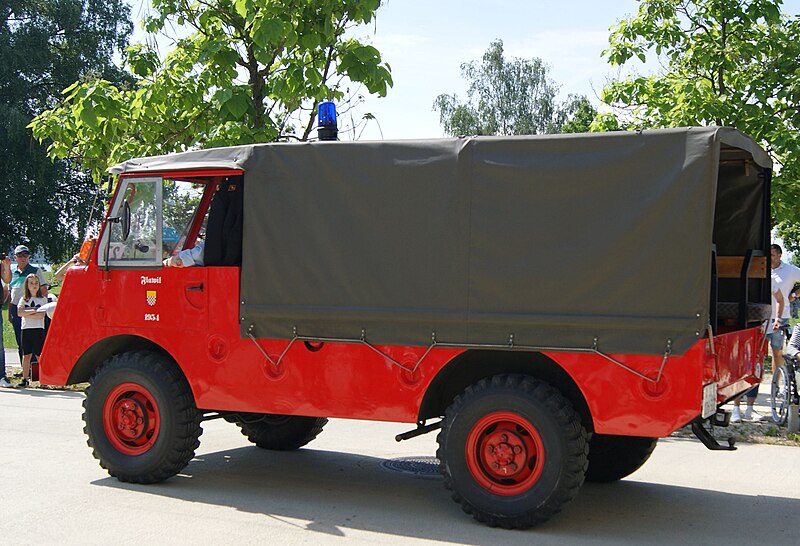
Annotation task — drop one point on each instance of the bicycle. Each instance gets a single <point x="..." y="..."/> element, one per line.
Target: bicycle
<point x="784" y="389"/>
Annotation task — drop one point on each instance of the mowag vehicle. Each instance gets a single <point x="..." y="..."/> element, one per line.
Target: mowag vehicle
<point x="552" y="305"/>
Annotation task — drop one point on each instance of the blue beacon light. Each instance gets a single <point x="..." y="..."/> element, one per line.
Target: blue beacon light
<point x="326" y="121"/>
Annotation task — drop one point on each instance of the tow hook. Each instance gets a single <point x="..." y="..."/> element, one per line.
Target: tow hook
<point x="705" y="436"/>
<point x="421" y="429"/>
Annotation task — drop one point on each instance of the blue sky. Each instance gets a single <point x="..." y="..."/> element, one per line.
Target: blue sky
<point x="425" y="42"/>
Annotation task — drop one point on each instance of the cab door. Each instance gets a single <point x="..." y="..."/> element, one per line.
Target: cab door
<point x="149" y="222"/>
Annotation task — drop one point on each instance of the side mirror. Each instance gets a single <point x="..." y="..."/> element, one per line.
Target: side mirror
<point x="125" y="219"/>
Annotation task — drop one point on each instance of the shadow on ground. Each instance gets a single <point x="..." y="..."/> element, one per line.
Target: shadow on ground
<point x="328" y="492"/>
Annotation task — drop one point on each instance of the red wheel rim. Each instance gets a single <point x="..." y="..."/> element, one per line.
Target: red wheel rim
<point x="131" y="419"/>
<point x="505" y="453"/>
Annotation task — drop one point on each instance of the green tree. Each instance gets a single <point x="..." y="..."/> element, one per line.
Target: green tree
<point x="576" y="115"/>
<point x="725" y="62"/>
<point x="252" y="71"/>
<point x="791" y="238"/>
<point x="44" y="46"/>
<point x="510" y="97"/>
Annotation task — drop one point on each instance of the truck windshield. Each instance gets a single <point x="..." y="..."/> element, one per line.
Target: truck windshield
<point x="140" y="204"/>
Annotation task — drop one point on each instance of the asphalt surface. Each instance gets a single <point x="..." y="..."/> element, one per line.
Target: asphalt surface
<point x="338" y="490"/>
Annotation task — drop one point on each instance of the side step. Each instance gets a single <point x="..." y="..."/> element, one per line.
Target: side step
<point x="421" y="429"/>
<point x="708" y="440"/>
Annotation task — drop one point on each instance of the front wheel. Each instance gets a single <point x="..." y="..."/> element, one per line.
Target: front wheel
<point x="141" y="419"/>
<point x="780" y="395"/>
<point x="512" y="450"/>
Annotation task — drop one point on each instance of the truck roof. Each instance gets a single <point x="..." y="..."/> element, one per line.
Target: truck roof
<point x="236" y="157"/>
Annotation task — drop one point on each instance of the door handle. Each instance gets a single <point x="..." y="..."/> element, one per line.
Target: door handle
<point x="195" y="288"/>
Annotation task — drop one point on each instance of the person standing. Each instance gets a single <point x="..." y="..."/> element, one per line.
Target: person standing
<point x="5" y="278"/>
<point x="22" y="255"/>
<point x="32" y="323"/>
<point x="784" y="277"/>
<point x="774" y="334"/>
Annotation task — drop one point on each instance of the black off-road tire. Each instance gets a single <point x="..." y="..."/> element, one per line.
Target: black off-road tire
<point x="611" y="458"/>
<point x="280" y="432"/>
<point x="141" y="393"/>
<point x="512" y="450"/>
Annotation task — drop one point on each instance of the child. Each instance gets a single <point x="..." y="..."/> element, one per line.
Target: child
<point x="32" y="323"/>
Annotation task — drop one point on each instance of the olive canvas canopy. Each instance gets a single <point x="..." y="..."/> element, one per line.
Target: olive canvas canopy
<point x="552" y="241"/>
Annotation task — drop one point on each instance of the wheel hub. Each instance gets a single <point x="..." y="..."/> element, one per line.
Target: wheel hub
<point x="131" y="419"/>
<point x="504" y="453"/>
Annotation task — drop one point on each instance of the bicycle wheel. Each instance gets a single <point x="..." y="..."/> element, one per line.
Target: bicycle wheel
<point x="781" y="394"/>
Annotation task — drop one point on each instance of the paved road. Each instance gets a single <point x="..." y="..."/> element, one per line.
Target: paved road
<point x="337" y="491"/>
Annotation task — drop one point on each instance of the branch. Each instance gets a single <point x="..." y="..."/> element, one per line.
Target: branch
<point x="328" y="63"/>
<point x="189" y="125"/>
<point x="690" y="16"/>
<point x="787" y="109"/>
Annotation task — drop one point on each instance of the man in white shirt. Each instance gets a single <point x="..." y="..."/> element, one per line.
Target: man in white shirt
<point x="785" y="277"/>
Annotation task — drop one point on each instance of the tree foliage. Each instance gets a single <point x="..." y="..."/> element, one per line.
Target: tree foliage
<point x="510" y="97"/>
<point x="725" y="62"/>
<point x="44" y="46"/>
<point x="251" y="71"/>
<point x="575" y="115"/>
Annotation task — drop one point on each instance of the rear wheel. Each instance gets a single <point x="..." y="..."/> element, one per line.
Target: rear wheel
<point x="611" y="458"/>
<point x="141" y="418"/>
<point x="280" y="432"/>
<point x="512" y="450"/>
<point x="780" y="395"/>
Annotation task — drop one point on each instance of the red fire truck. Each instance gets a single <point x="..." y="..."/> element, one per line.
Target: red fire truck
<point x="552" y="305"/>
